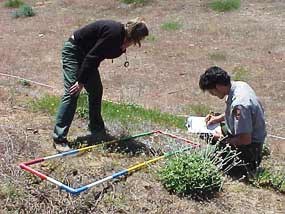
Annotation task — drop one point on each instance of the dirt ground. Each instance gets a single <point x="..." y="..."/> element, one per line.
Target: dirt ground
<point x="163" y="74"/>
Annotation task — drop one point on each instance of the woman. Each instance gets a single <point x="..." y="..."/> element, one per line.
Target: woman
<point x="81" y="57"/>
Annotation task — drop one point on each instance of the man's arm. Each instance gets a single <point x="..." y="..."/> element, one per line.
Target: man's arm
<point x="211" y="119"/>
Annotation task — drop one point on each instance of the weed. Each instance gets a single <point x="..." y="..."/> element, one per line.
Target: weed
<point x="134" y="1"/>
<point x="270" y="179"/>
<point x="218" y="56"/>
<point x="13" y="3"/>
<point x="24" y="11"/>
<point x="171" y="26"/>
<point x="224" y="5"/>
<point x="25" y="83"/>
<point x="47" y="103"/>
<point x="240" y="74"/>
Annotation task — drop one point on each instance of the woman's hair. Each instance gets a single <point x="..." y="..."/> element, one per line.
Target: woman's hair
<point x="136" y="30"/>
<point x="213" y="76"/>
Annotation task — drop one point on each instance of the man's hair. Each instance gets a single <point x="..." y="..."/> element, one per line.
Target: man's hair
<point x="136" y="30"/>
<point x="213" y="76"/>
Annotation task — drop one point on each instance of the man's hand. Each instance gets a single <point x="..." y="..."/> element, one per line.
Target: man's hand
<point x="76" y="88"/>
<point x="211" y="119"/>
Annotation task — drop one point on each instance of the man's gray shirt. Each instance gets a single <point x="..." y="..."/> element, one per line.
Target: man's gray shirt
<point x="244" y="112"/>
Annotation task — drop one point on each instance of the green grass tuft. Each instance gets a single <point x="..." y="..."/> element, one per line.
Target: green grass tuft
<point x="134" y="1"/>
<point x="24" y="11"/>
<point x="270" y="179"/>
<point x="13" y="3"/>
<point x="224" y="5"/>
<point x="171" y="26"/>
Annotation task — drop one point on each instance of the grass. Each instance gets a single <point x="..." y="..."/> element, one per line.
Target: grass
<point x="122" y="112"/>
<point x="270" y="179"/>
<point x="13" y="3"/>
<point x="24" y="11"/>
<point x="240" y="74"/>
<point x="134" y="1"/>
<point x="171" y="26"/>
<point x="198" y="109"/>
<point x="218" y="56"/>
<point x="224" y="5"/>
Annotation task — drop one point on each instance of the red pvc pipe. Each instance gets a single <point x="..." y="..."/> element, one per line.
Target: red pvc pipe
<point x="29" y="169"/>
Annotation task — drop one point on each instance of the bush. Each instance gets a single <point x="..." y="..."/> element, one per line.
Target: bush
<point x="24" y="11"/>
<point x="194" y="175"/>
<point x="134" y="1"/>
<point x="13" y="3"/>
<point x="225" y="5"/>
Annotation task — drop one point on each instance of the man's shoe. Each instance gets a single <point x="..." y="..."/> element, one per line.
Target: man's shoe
<point x="61" y="146"/>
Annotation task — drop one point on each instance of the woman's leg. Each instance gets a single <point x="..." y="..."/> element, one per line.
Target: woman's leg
<point x="94" y="88"/>
<point x="71" y="61"/>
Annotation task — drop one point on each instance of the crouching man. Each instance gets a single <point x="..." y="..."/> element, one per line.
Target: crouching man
<point x="243" y="117"/>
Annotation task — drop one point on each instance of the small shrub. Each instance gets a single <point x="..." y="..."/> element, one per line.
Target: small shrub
<point x="171" y="26"/>
<point x="225" y="5"/>
<point x="24" y="11"/>
<point x="25" y="83"/>
<point x="13" y="3"/>
<point x="134" y="1"/>
<point x="192" y="175"/>
<point x="240" y="74"/>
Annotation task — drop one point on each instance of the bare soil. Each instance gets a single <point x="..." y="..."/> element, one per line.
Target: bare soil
<point x="163" y="74"/>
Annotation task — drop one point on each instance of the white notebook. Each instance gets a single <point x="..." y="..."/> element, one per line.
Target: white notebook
<point x="198" y="125"/>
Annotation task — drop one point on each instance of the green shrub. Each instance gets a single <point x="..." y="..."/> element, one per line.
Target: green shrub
<point x="224" y="5"/>
<point x="13" y="3"/>
<point x="24" y="11"/>
<point x="194" y="175"/>
<point x="134" y="1"/>
<point x="171" y="26"/>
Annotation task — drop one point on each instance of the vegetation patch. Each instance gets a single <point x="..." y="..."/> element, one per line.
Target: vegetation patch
<point x="193" y="175"/>
<point x="171" y="26"/>
<point x="134" y="1"/>
<point x="240" y="74"/>
<point x="13" y="3"/>
<point x="218" y="56"/>
<point x="24" y="11"/>
<point x="122" y="112"/>
<point x="224" y="5"/>
<point x="270" y="179"/>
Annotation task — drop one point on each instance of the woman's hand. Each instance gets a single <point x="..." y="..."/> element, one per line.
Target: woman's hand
<point x="76" y="88"/>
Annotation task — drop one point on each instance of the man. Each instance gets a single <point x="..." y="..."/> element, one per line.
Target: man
<point x="81" y="57"/>
<point x="244" y="115"/>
